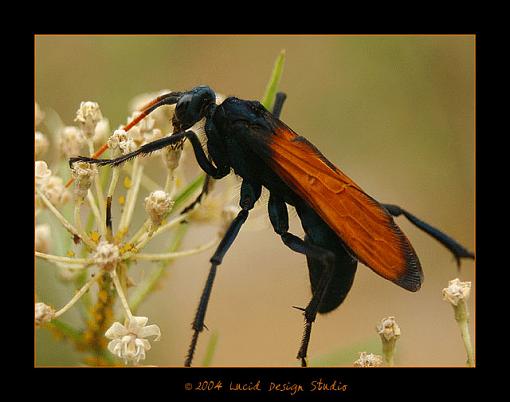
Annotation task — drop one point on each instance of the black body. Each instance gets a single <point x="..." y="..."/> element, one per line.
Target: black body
<point x="238" y="137"/>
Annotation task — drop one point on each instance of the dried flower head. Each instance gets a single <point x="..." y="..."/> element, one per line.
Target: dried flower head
<point x="142" y="129"/>
<point x="71" y="141"/>
<point x="127" y="341"/>
<point x="106" y="255"/>
<point x="172" y="157"/>
<point x="368" y="360"/>
<point x="388" y="329"/>
<point x="42" y="173"/>
<point x="88" y="116"/>
<point x="43" y="313"/>
<point x="121" y="141"/>
<point x="157" y="204"/>
<point x="83" y="173"/>
<point x="42" y="238"/>
<point x="41" y="144"/>
<point x="102" y="131"/>
<point x="456" y="291"/>
<point x="53" y="188"/>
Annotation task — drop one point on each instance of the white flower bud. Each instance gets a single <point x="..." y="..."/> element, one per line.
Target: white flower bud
<point x="87" y="116"/>
<point x="43" y="313"/>
<point x="42" y="173"/>
<point x="42" y="238"/>
<point x="456" y="291"/>
<point x="388" y="329"/>
<point x="41" y="144"/>
<point x="53" y="188"/>
<point x="83" y="173"/>
<point x="172" y="157"/>
<point x="157" y="204"/>
<point x="368" y="360"/>
<point x="71" y="141"/>
<point x="122" y="141"/>
<point x="107" y="255"/>
<point x="102" y="131"/>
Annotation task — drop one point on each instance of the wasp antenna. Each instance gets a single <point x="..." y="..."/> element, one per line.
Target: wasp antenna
<point x="165" y="99"/>
<point x="159" y="99"/>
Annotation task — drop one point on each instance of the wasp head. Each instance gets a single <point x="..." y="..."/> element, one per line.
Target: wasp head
<point x="192" y="106"/>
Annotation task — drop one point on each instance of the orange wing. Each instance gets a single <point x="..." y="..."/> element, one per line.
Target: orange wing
<point x="360" y="221"/>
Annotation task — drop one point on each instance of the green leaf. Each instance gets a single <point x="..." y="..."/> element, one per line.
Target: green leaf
<point x="188" y="192"/>
<point x="274" y="81"/>
<point x="66" y="330"/>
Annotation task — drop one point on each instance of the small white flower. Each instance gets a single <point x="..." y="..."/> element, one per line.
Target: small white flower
<point x="102" y="131"/>
<point x="389" y="329"/>
<point x="172" y="157"/>
<point x="122" y="141"/>
<point x="83" y="173"/>
<point x="42" y="238"/>
<point x="456" y="291"/>
<point x="39" y="114"/>
<point x="368" y="360"/>
<point x="42" y="173"/>
<point x="41" y="144"/>
<point x="53" y="188"/>
<point x="157" y="204"/>
<point x="88" y="116"/>
<point x="127" y="341"/>
<point x="142" y="128"/>
<point x="43" y="313"/>
<point x="71" y="141"/>
<point x="107" y="255"/>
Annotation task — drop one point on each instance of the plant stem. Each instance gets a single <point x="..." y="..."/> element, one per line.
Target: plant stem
<point x="462" y="318"/>
<point x="77" y="296"/>
<point x="122" y="297"/>
<point x="176" y="254"/>
<point x="58" y="258"/>
<point x="61" y="218"/>
<point x="146" y="287"/>
<point x="100" y="195"/>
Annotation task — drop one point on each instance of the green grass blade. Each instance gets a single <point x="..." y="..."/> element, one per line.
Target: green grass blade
<point x="188" y="192"/>
<point x="274" y="81"/>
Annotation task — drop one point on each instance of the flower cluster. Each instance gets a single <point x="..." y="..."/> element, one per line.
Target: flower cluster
<point x="103" y="250"/>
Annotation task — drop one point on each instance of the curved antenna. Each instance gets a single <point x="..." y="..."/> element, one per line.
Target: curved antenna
<point x="165" y="99"/>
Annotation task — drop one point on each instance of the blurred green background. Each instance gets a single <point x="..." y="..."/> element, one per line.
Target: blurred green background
<point x="395" y="113"/>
